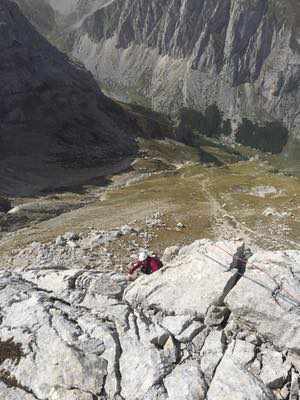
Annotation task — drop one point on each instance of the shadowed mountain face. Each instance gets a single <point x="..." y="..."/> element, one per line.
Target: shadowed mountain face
<point x="244" y="56"/>
<point x="53" y="117"/>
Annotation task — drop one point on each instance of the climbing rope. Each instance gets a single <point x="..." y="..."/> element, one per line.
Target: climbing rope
<point x="255" y="266"/>
<point x="274" y="293"/>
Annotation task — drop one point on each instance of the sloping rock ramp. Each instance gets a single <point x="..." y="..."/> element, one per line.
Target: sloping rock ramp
<point x="215" y="323"/>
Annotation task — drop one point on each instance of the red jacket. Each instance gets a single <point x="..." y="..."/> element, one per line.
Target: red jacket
<point x="150" y="265"/>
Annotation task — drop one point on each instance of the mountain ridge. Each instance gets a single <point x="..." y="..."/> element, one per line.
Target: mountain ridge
<point x="54" y="117"/>
<point x="242" y="56"/>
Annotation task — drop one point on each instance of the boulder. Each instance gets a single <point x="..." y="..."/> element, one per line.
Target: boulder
<point x="186" y="382"/>
<point x="60" y="241"/>
<point x="127" y="230"/>
<point x="71" y="236"/>
<point x="275" y="369"/>
<point x="211" y="354"/>
<point x="232" y="380"/>
<point x="170" y="253"/>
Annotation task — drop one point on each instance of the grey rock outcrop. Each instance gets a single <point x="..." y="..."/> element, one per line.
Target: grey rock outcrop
<point x="75" y="334"/>
<point x="188" y="377"/>
<point x="279" y="273"/>
<point x="185" y="277"/>
<point x="242" y="56"/>
<point x="53" y="116"/>
<point x="230" y="374"/>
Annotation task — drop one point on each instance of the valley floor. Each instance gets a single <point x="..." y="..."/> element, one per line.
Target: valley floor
<point x="168" y="197"/>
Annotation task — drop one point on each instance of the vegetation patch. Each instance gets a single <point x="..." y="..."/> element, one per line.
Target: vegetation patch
<point x="9" y="350"/>
<point x="271" y="137"/>
<point x="211" y="123"/>
<point x="151" y="165"/>
<point x="170" y="151"/>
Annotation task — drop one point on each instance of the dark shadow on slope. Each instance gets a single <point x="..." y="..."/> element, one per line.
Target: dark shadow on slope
<point x="53" y="116"/>
<point x="207" y="158"/>
<point x="82" y="188"/>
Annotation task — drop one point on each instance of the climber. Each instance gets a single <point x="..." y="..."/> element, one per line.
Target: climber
<point x="146" y="264"/>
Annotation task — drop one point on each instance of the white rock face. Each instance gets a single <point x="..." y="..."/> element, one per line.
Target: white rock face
<point x="60" y="393"/>
<point x="211" y="354"/>
<point x="8" y="393"/>
<point x="272" y="306"/>
<point x="87" y="335"/>
<point x="275" y="368"/>
<point x="232" y="381"/>
<point x="186" y="382"/>
<point x="195" y="280"/>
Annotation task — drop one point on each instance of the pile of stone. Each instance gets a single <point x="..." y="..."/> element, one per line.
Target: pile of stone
<point x="103" y="250"/>
<point x="71" y="250"/>
<point x="155" y="220"/>
<point x="204" y="327"/>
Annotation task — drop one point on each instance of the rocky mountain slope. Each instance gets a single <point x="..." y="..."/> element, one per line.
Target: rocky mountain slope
<point x="53" y="116"/>
<point x="242" y="56"/>
<point x="221" y="320"/>
<point x="205" y="324"/>
<point x="73" y="328"/>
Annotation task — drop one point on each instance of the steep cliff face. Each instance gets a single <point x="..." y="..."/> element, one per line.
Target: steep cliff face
<point x="242" y="55"/>
<point x="52" y="114"/>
